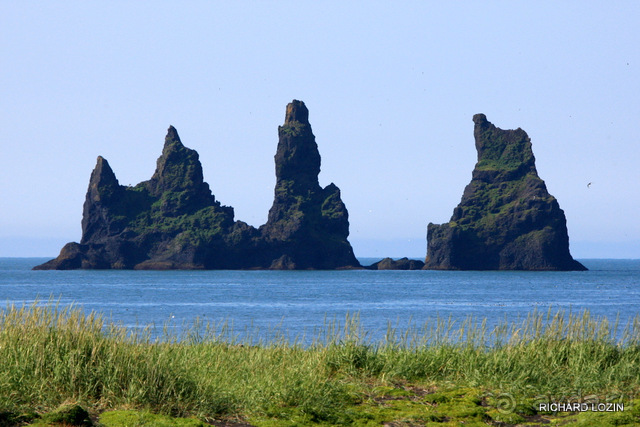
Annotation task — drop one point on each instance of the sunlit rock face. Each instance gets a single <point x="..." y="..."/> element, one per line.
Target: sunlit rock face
<point x="307" y="225"/>
<point x="173" y="221"/>
<point x="506" y="220"/>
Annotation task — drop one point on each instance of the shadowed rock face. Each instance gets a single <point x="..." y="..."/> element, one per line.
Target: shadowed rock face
<point x="104" y="192"/>
<point x="173" y="221"/>
<point x="307" y="225"/>
<point x="400" y="264"/>
<point x="179" y="174"/>
<point x="506" y="220"/>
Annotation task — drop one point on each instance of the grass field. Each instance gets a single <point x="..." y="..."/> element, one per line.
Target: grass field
<point x="61" y="365"/>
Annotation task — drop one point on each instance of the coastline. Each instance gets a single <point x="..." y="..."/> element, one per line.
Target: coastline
<point x="60" y="361"/>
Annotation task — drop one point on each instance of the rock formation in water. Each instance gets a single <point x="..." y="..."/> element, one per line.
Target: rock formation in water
<point x="399" y="264"/>
<point x="506" y="220"/>
<point x="307" y="225"/>
<point x="173" y="221"/>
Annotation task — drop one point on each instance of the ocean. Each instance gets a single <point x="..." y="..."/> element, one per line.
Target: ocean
<point x="298" y="305"/>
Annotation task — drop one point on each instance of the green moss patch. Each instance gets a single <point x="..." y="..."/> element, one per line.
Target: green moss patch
<point x="137" y="418"/>
<point x="443" y="376"/>
<point x="293" y="128"/>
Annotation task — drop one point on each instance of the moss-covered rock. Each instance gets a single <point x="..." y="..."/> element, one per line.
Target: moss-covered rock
<point x="68" y="415"/>
<point x="307" y="225"/>
<point x="173" y="221"/>
<point x="506" y="220"/>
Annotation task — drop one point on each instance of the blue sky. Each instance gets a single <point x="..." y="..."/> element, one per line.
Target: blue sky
<point x="391" y="88"/>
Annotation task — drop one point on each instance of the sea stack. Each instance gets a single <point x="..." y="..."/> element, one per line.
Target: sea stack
<point x="506" y="220"/>
<point x="173" y="221"/>
<point x="308" y="225"/>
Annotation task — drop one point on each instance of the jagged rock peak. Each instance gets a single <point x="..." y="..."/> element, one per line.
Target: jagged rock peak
<point x="307" y="225"/>
<point x="177" y="169"/>
<point x="296" y="112"/>
<point x="103" y="183"/>
<point x="173" y="221"/>
<point x="297" y="157"/>
<point x="506" y="219"/>
<point x="172" y="134"/>
<point x="172" y="145"/>
<point x="102" y="174"/>
<point x="501" y="149"/>
<point x="104" y="190"/>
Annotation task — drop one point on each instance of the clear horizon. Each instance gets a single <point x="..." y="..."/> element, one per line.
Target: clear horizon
<point x="391" y="90"/>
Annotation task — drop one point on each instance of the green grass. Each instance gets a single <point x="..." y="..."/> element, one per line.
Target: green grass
<point x="444" y="373"/>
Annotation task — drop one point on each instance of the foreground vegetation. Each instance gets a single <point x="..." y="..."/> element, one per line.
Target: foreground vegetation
<point x="60" y="365"/>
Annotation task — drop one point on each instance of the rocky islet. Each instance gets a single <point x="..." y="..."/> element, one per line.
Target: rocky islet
<point x="173" y="221"/>
<point x="505" y="220"/>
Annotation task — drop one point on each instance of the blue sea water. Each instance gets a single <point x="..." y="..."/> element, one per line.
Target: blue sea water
<point x="299" y="303"/>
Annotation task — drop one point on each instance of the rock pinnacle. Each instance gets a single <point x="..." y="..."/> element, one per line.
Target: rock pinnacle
<point x="506" y="220"/>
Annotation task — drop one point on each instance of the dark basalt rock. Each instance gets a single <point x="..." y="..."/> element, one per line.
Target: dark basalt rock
<point x="506" y="220"/>
<point x="399" y="264"/>
<point x="178" y="179"/>
<point x="173" y="221"/>
<point x="307" y="225"/>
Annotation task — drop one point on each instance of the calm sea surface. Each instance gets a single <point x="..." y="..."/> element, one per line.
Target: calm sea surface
<point x="298" y="303"/>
